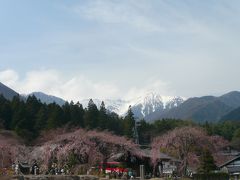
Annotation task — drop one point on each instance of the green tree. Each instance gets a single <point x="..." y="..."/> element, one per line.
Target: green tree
<point x="55" y="116"/>
<point x="6" y="115"/>
<point x="103" y="118"/>
<point x="32" y="107"/>
<point x="208" y="128"/>
<point x="77" y="114"/>
<point x="129" y="123"/>
<point x="225" y="129"/>
<point x="236" y="139"/>
<point x="207" y="163"/>
<point x="41" y="119"/>
<point x="91" y="116"/>
<point x="145" y="131"/>
<point x="23" y="130"/>
<point x="115" y="123"/>
<point x="18" y="114"/>
<point x="67" y="112"/>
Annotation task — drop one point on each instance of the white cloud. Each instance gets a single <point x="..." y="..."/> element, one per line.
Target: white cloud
<point x="9" y="77"/>
<point x="54" y="83"/>
<point x="118" y="12"/>
<point x="153" y="85"/>
<point x="148" y="16"/>
<point x="76" y="88"/>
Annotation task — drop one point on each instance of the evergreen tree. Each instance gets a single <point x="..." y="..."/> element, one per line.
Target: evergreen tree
<point x="32" y="107"/>
<point x="129" y="123"/>
<point x="67" y="112"/>
<point x="207" y="163"/>
<point x="6" y="115"/>
<point x="146" y="131"/>
<point x="18" y="111"/>
<point x="91" y="115"/>
<point x="18" y="114"/>
<point x="16" y="102"/>
<point x="23" y="129"/>
<point x="77" y="114"/>
<point x="41" y="119"/>
<point x="103" y="118"/>
<point x="55" y="116"/>
<point x="208" y="128"/>
<point x="115" y="123"/>
<point x="23" y="118"/>
<point x="236" y="139"/>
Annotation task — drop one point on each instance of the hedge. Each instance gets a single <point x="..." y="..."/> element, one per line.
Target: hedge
<point x="211" y="176"/>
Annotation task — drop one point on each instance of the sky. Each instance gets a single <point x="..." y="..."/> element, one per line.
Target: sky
<point x="112" y="49"/>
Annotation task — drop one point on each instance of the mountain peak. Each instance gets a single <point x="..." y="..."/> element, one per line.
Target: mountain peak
<point x="142" y="106"/>
<point x="231" y="99"/>
<point x="232" y="93"/>
<point x="45" y="98"/>
<point x="153" y="102"/>
<point x="7" y="92"/>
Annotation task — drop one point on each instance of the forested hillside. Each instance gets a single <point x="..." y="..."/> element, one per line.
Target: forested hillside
<point x="28" y="118"/>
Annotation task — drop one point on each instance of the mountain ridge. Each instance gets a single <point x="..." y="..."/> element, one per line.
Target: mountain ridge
<point x="141" y="106"/>
<point x="45" y="98"/>
<point x="152" y="106"/>
<point x="7" y="92"/>
<point x="206" y="108"/>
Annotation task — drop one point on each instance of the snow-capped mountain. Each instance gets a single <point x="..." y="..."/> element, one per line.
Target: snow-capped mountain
<point x="142" y="107"/>
<point x="174" y="102"/>
<point x="153" y="103"/>
<point x="152" y="106"/>
<point x="149" y="106"/>
<point x="118" y="106"/>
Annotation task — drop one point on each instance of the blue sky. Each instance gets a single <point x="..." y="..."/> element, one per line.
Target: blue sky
<point x="120" y="48"/>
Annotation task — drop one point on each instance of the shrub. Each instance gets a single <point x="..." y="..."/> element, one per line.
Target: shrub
<point x="211" y="176"/>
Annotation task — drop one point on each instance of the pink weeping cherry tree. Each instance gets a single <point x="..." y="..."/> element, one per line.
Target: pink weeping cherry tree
<point x="185" y="143"/>
<point x="11" y="149"/>
<point x="89" y="147"/>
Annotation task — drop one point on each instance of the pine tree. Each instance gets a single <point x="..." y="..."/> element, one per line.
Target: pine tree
<point x="208" y="128"/>
<point x="103" y="118"/>
<point x="55" y="116"/>
<point x="145" y="131"/>
<point x="67" y="112"/>
<point x="41" y="119"/>
<point x="77" y="114"/>
<point x="207" y="163"/>
<point x="236" y="139"/>
<point x="129" y="123"/>
<point x="6" y="115"/>
<point x="32" y="107"/>
<point x="91" y="115"/>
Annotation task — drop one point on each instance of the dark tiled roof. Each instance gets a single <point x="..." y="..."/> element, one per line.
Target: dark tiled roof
<point x="228" y="162"/>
